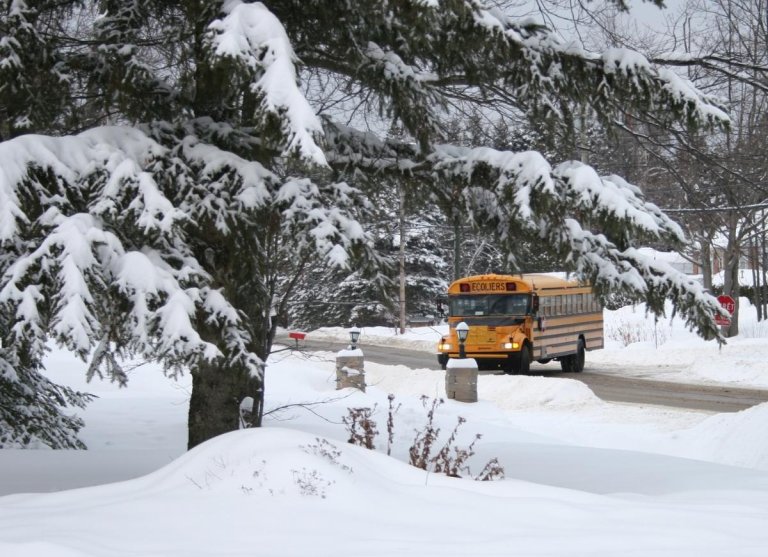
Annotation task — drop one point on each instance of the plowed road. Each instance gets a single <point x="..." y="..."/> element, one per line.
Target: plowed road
<point x="608" y="383"/>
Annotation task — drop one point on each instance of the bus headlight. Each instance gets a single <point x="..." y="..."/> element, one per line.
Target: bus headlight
<point x="511" y="345"/>
<point x="444" y="346"/>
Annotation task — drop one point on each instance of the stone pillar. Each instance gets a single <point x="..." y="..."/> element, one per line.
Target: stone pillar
<point x="350" y="370"/>
<point x="461" y="379"/>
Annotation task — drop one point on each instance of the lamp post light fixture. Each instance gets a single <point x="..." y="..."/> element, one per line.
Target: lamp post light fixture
<point x="354" y="335"/>
<point x="462" y="330"/>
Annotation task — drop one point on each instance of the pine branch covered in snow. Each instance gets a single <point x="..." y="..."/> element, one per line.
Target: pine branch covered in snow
<point x="98" y="249"/>
<point x="31" y="413"/>
<point x="421" y="56"/>
<point x="29" y="71"/>
<point x="251" y="36"/>
<point x="593" y="223"/>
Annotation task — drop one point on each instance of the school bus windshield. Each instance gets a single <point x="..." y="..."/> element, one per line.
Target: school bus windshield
<point x="489" y="304"/>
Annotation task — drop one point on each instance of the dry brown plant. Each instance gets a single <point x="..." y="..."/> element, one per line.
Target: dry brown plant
<point x="450" y="460"/>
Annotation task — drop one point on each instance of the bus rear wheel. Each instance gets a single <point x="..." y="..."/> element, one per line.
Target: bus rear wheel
<point x="574" y="363"/>
<point x="579" y="358"/>
<point x="566" y="364"/>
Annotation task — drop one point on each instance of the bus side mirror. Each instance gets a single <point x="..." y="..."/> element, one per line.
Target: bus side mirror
<point x="534" y="304"/>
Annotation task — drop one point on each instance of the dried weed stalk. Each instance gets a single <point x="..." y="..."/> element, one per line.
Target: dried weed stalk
<point x="391" y="422"/>
<point x="362" y="429"/>
<point x="450" y="460"/>
<point x="421" y="449"/>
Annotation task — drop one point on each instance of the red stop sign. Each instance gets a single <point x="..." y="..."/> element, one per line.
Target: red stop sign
<point x="729" y="305"/>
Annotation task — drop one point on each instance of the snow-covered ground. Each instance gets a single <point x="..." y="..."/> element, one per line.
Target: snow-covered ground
<point x="582" y="476"/>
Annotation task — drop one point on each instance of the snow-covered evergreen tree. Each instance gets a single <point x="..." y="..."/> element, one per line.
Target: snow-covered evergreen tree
<point x="329" y="296"/>
<point x="183" y="172"/>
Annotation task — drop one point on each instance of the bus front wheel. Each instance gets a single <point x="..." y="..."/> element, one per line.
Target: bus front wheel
<point x="521" y="363"/>
<point x="442" y="360"/>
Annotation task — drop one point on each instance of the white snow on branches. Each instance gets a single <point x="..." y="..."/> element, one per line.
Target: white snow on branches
<point x="683" y="90"/>
<point x="526" y="196"/>
<point x="252" y="190"/>
<point x="161" y="309"/>
<point x="76" y="269"/>
<point x="70" y="159"/>
<point x="615" y="270"/>
<point x="329" y="228"/>
<point x="521" y="175"/>
<point x="537" y="40"/>
<point x="98" y="243"/>
<point x="517" y="172"/>
<point x="252" y="34"/>
<point x="393" y="67"/>
<point x="614" y="195"/>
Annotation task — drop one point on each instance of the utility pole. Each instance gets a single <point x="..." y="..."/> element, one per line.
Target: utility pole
<point x="402" y="259"/>
<point x="456" y="248"/>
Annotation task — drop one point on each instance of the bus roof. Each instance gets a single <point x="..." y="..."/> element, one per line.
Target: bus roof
<point x="528" y="281"/>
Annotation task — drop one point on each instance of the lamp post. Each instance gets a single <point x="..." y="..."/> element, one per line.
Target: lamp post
<point x="462" y="330"/>
<point x="354" y="335"/>
<point x="350" y="364"/>
<point x="461" y="373"/>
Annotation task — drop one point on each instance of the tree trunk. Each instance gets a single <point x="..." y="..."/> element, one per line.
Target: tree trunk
<point x="754" y="263"/>
<point x="214" y="406"/>
<point x="731" y="278"/>
<point x="218" y="388"/>
<point x="706" y="264"/>
<point x="763" y="264"/>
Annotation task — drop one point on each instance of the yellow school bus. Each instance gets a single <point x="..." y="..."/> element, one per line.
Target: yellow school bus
<point x="515" y="319"/>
